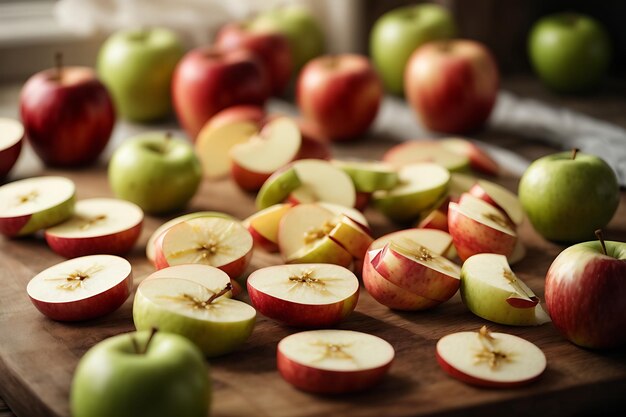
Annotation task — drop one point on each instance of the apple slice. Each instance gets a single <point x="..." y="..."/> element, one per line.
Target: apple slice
<point x="263" y="226"/>
<point x="426" y="151"/>
<point x="495" y="360"/>
<point x="278" y="187"/>
<point x="29" y="205"/>
<point x="479" y="159"/>
<point x="150" y="245"/>
<point x="322" y="181"/>
<point x="219" y="242"/>
<point x="436" y="241"/>
<point x="11" y="137"/>
<point x="436" y="219"/>
<point x="82" y="288"/>
<point x="478" y="227"/>
<point x="217" y="324"/>
<point x="500" y="198"/>
<point x="519" y="253"/>
<point x="333" y="361"/>
<point x="353" y="213"/>
<point x="421" y="186"/>
<point x="98" y="226"/>
<point x="491" y="290"/>
<point x="214" y="144"/>
<point x="211" y="278"/>
<point x="273" y="147"/>
<point x="369" y="176"/>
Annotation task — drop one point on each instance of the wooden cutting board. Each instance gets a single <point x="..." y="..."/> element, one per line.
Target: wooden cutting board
<point x="38" y="356"/>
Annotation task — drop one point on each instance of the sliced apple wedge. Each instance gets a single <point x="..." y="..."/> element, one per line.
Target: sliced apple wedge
<point x="490" y="289"/>
<point x="278" y="187"/>
<point x="11" y="138"/>
<point x="333" y="361"/>
<point x="478" y="158"/>
<point x="219" y="242"/>
<point x="98" y="226"/>
<point x="263" y="226"/>
<point x="436" y="219"/>
<point x="494" y="360"/>
<point x="217" y="324"/>
<point x="436" y="241"/>
<point x="29" y="205"/>
<point x="501" y="198"/>
<point x="353" y="213"/>
<point x="213" y="279"/>
<point x="426" y="151"/>
<point x="82" y="288"/>
<point x="369" y="176"/>
<point x="322" y="181"/>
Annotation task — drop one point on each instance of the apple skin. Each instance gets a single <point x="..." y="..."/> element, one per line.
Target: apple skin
<point x="207" y="80"/>
<point x="68" y="122"/>
<point x="567" y="200"/>
<point x="170" y="379"/>
<point x="137" y="67"/>
<point x="585" y="293"/>
<point x="341" y="94"/>
<point x="10" y="154"/>
<point x="261" y="241"/>
<point x="246" y="179"/>
<point x="30" y="223"/>
<point x="399" y="32"/>
<point x="452" y="85"/>
<point x="570" y="52"/>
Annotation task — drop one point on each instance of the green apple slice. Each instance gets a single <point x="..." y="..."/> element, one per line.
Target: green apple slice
<point x="278" y="187"/>
<point x="322" y="181"/>
<point x="426" y="151"/>
<point x="369" y="176"/>
<point x="214" y="279"/>
<point x="217" y="324"/>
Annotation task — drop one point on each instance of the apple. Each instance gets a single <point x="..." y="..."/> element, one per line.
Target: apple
<point x="305" y="295"/>
<point x="137" y="66"/>
<point x="436" y="219"/>
<point x="341" y="94"/>
<point x="212" y="278"/>
<point x="491" y="290"/>
<point x="479" y="159"/>
<point x="426" y="151"/>
<point x="141" y="374"/>
<point x="493" y="360"/>
<point x="568" y="196"/>
<point x="156" y="171"/>
<point x="501" y="198"/>
<point x="585" y="294"/>
<point x="29" y="205"/>
<point x="98" y="226"/>
<point x="436" y="241"/>
<point x="333" y="361"/>
<point x="263" y="226"/>
<point x="215" y="241"/>
<point x="421" y="185"/>
<point x="11" y="136"/>
<point x="570" y="52"/>
<point x="306" y="39"/>
<point x="399" y="32"/>
<point x="314" y="144"/>
<point x="369" y="176"/>
<point x="216" y="324"/>
<point x="68" y="115"/>
<point x="322" y="181"/>
<point x="207" y="80"/>
<point x="277" y="187"/>
<point x="354" y="214"/>
<point x="240" y="113"/>
<point x="272" y="48"/>
<point x="82" y="288"/>
<point x="441" y="101"/>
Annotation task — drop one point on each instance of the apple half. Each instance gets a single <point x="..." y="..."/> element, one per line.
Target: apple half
<point x="263" y="226"/>
<point x="11" y="138"/>
<point x="29" y="205"/>
<point x="501" y="198"/>
<point x="333" y="361"/>
<point x="426" y="151"/>
<point x="304" y="295"/>
<point x="369" y="176"/>
<point x="82" y="288"/>
<point x="478" y="158"/>
<point x="322" y="181"/>
<point x="214" y="279"/>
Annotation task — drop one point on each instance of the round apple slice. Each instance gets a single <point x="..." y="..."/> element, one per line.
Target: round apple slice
<point x="11" y="135"/>
<point x="426" y="151"/>
<point x="98" y="226"/>
<point x="369" y="176"/>
<point x="82" y="288"/>
<point x="305" y="295"/>
<point x="321" y="181"/>
<point x="214" y="322"/>
<point x="495" y="360"/>
<point x="29" y="205"/>
<point x="219" y="242"/>
<point x="333" y="361"/>
<point x="434" y="240"/>
<point x="501" y="198"/>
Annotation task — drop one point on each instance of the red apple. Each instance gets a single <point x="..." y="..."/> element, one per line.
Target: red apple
<point x="11" y="135"/>
<point x="341" y="94"/>
<point x="452" y="85"/>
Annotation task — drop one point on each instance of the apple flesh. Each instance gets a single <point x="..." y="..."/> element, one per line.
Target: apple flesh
<point x="82" y="288"/>
<point x="263" y="226"/>
<point x="436" y="241"/>
<point x="212" y="278"/>
<point x="426" y="151"/>
<point x="501" y="198"/>
<point x="11" y="137"/>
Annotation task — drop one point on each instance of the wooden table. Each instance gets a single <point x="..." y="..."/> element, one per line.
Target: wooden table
<point x="38" y="356"/>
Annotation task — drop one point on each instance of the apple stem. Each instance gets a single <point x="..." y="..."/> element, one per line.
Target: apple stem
<point x="224" y="290"/>
<point x="58" y="64"/>
<point x="152" y="333"/>
<point x="574" y="152"/>
<point x="601" y="239"/>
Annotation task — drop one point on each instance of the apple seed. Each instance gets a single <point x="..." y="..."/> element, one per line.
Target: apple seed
<point x="316" y="233"/>
<point x="77" y="278"/>
<point x="88" y="222"/>
<point x="489" y="354"/>
<point x="27" y="198"/>
<point x="198" y="303"/>
<point x="333" y="351"/>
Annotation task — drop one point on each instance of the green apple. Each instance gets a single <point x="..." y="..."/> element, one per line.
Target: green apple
<point x="369" y="176"/>
<point x="137" y="66"/>
<point x="299" y="26"/>
<point x="141" y="374"/>
<point x="214" y="322"/>
<point x="570" y="52"/>
<point x="157" y="172"/>
<point x="277" y="187"/>
<point x="398" y="33"/>
<point x="567" y="196"/>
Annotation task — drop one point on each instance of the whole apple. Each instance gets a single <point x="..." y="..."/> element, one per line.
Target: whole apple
<point x="208" y="80"/>
<point x="11" y="138"/>
<point x="157" y="172"/>
<point x="340" y="94"/>
<point x="568" y="195"/>
<point x="137" y="67"/>
<point x="397" y="33"/>
<point x="141" y="374"/>
<point x="68" y="115"/>
<point x="452" y="85"/>
<point x="585" y="293"/>
<point x="570" y="52"/>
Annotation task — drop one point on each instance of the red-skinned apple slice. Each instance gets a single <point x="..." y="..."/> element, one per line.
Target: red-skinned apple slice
<point x="98" y="226"/>
<point x="219" y="242"/>
<point x="494" y="360"/>
<point x="436" y="219"/>
<point x="213" y="279"/>
<point x="500" y="198"/>
<point x="322" y="181"/>
<point x="263" y="226"/>
<point x="82" y="288"/>
<point x="478" y="158"/>
<point x="426" y="151"/>
<point x="11" y="136"/>
<point x="333" y="361"/>
<point x="436" y="241"/>
<point x="304" y="295"/>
